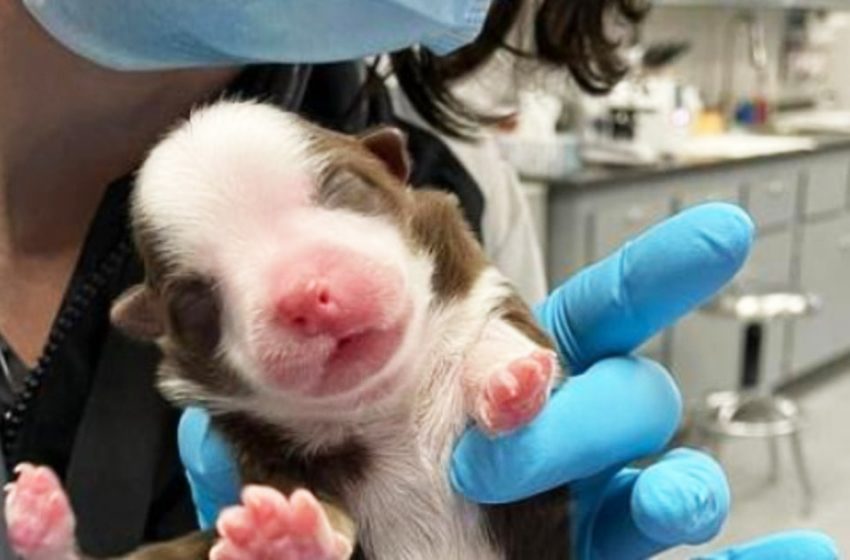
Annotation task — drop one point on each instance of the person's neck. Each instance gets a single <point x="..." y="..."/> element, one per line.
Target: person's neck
<point x="68" y="128"/>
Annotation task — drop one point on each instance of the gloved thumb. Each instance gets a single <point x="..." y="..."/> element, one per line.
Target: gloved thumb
<point x="210" y="469"/>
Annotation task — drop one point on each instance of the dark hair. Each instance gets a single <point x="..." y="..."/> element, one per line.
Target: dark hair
<point x="571" y="34"/>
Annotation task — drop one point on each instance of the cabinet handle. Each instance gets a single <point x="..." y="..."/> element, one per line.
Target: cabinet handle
<point x="776" y="188"/>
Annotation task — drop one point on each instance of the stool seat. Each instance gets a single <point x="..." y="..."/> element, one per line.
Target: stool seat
<point x="761" y="306"/>
<point x="755" y="416"/>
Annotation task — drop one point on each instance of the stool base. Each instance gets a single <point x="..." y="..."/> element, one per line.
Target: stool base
<point x="747" y="415"/>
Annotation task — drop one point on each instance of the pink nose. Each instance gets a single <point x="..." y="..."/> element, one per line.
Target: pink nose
<point x="310" y="308"/>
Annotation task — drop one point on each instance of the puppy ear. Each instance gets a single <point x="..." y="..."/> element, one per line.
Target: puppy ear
<point x="389" y="144"/>
<point x="138" y="313"/>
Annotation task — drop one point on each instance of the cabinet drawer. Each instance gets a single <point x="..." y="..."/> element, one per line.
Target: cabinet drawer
<point x="713" y="193"/>
<point x="771" y="198"/>
<point x="613" y="226"/>
<point x="770" y="260"/>
<point x="826" y="188"/>
<point x="825" y="271"/>
<point x="707" y="354"/>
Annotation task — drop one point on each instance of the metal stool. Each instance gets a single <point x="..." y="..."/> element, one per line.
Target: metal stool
<point x="754" y="411"/>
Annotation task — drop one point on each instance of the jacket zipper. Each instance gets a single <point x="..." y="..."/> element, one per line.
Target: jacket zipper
<point x="74" y="309"/>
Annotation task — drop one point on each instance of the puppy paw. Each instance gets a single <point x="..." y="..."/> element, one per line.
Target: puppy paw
<point x="38" y="515"/>
<point x="268" y="526"/>
<point x="514" y="394"/>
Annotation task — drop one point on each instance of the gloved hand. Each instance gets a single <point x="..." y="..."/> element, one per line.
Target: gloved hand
<point x="617" y="408"/>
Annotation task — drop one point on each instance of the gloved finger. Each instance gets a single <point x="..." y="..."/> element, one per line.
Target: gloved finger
<point x="210" y="468"/>
<point x="627" y="409"/>
<point x="617" y="304"/>
<point x="793" y="545"/>
<point x="681" y="499"/>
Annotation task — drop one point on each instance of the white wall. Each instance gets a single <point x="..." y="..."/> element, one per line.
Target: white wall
<point x="706" y="28"/>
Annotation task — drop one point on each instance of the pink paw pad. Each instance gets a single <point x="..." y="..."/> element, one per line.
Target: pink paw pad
<point x="268" y="526"/>
<point x="515" y="394"/>
<point x="38" y="514"/>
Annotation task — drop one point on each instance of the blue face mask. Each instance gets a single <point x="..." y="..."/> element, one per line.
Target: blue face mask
<point x="160" y="34"/>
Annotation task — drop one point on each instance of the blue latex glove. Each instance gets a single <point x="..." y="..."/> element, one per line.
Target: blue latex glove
<point x="793" y="545"/>
<point x="617" y="408"/>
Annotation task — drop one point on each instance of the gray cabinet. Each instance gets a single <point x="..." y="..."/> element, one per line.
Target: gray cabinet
<point x="711" y="190"/>
<point x="772" y="195"/>
<point x="770" y="261"/>
<point x="824" y="270"/>
<point x="826" y="185"/>
<point x="613" y="226"/>
<point x="801" y="208"/>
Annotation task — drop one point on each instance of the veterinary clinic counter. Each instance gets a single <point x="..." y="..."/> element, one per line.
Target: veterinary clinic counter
<point x="800" y="202"/>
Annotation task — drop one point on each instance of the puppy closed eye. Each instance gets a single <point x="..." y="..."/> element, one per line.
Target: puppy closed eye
<point x="347" y="191"/>
<point x="194" y="313"/>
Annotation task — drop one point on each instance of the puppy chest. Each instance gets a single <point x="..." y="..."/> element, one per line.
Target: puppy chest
<point x="407" y="510"/>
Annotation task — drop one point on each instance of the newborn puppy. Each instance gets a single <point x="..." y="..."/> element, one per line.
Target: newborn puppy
<point x="342" y="329"/>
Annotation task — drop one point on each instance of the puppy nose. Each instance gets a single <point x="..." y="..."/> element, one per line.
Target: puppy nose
<point x="309" y="308"/>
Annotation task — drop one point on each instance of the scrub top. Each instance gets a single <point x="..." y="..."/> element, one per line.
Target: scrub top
<point x="13" y="374"/>
<point x="89" y="408"/>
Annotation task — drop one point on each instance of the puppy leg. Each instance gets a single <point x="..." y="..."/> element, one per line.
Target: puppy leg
<point x="508" y="377"/>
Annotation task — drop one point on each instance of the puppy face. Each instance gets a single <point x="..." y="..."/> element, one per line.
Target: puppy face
<point x="287" y="261"/>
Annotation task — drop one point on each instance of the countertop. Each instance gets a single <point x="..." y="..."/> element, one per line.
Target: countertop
<point x="601" y="176"/>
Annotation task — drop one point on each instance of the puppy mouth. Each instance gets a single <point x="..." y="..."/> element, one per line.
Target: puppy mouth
<point x="327" y="367"/>
<point x="357" y="355"/>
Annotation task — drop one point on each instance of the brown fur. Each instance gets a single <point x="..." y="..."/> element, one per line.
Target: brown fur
<point x="438" y="227"/>
<point x="537" y="528"/>
<point x="196" y="546"/>
<point x="191" y="311"/>
<point x="214" y="375"/>
<point x="516" y="312"/>
<point x="377" y="189"/>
